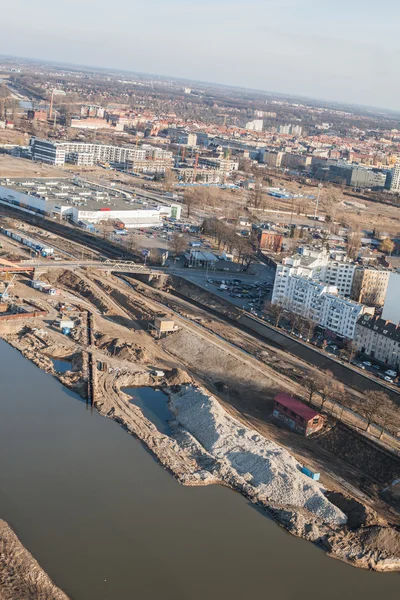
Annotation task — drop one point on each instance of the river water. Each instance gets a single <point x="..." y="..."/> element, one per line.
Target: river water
<point x="108" y="523"/>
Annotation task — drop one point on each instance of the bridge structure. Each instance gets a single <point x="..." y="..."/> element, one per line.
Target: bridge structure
<point x="6" y="266"/>
<point x="122" y="266"/>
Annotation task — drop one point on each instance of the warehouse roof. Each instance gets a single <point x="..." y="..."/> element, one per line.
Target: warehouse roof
<point x="296" y="406"/>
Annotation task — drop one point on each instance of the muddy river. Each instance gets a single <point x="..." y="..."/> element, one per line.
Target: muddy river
<point x="108" y="523"/>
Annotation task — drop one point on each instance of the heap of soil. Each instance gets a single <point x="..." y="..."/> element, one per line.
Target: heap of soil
<point x="123" y="349"/>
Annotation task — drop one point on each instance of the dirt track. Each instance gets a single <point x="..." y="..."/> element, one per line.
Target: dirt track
<point x="126" y="355"/>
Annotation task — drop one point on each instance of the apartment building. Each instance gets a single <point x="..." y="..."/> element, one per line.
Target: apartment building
<point x="256" y="125"/>
<point x="179" y="136"/>
<point x="320" y="303"/>
<point x="58" y="153"/>
<point x="395" y="178"/>
<point x="224" y="165"/>
<point x="271" y="158"/>
<point x="317" y="285"/>
<point x="47" y="152"/>
<point x="270" y="240"/>
<point x="82" y="159"/>
<point x="153" y="161"/>
<point x="296" y="161"/>
<point x="320" y="266"/>
<point x="370" y="285"/>
<point x="379" y="339"/>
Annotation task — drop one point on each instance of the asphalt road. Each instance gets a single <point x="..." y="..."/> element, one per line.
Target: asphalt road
<point x="348" y="375"/>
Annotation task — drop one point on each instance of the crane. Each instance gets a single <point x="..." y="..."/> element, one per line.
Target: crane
<point x="4" y="295"/>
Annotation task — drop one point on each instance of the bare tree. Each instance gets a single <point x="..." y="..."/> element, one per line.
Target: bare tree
<point x="306" y="326"/>
<point x="353" y="243"/>
<point x="331" y="388"/>
<point x="372" y="405"/>
<point x="313" y="384"/>
<point x="169" y="180"/>
<point x="178" y="245"/>
<point x="277" y="310"/>
<point x="189" y="201"/>
<point x="348" y="351"/>
<point x="386" y="414"/>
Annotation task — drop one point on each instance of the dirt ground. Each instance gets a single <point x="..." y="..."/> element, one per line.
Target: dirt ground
<point x="355" y="211"/>
<point x="21" y="167"/>
<point x="21" y="577"/>
<point x="240" y="373"/>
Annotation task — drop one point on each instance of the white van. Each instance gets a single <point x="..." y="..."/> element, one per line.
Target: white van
<point x="391" y="373"/>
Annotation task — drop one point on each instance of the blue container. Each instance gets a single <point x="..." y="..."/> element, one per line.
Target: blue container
<point x="310" y="474"/>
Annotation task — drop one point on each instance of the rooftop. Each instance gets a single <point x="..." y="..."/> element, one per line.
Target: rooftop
<point x="296" y="406"/>
<point x="380" y="326"/>
<point x="78" y="192"/>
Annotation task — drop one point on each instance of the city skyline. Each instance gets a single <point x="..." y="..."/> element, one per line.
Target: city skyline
<point x="294" y="48"/>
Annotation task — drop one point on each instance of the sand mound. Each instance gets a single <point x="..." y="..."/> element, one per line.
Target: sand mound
<point x="272" y="473"/>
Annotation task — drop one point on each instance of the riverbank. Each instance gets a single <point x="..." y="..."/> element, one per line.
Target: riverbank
<point x="124" y="355"/>
<point x="21" y="577"/>
<point x="238" y="457"/>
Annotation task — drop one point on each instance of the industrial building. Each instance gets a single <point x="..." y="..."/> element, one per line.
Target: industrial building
<point x="83" y="202"/>
<point x="352" y="175"/>
<point x="296" y="415"/>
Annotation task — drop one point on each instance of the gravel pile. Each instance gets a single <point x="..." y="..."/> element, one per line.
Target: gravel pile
<point x="273" y="475"/>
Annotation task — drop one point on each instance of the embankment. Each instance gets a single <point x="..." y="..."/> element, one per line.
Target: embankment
<point x="21" y="577"/>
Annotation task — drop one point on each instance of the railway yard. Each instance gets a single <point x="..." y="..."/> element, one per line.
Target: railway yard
<point x="226" y="370"/>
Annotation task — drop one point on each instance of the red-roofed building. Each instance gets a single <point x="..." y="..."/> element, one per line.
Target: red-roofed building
<point x="296" y="415"/>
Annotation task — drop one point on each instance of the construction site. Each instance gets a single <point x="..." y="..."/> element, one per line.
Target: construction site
<point x="119" y="329"/>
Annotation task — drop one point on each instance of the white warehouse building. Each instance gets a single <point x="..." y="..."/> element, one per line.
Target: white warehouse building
<point x="83" y="202"/>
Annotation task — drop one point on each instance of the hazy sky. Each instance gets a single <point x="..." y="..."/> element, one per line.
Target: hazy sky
<point x="332" y="49"/>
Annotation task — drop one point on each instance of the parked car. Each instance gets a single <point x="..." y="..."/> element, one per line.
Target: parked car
<point x="388" y="379"/>
<point x="391" y="373"/>
<point x="366" y="363"/>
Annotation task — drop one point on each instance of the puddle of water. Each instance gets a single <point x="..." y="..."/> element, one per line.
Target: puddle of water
<point x="153" y="404"/>
<point x="60" y="365"/>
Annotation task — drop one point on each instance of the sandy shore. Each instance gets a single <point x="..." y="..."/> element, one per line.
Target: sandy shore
<point x="21" y="577"/>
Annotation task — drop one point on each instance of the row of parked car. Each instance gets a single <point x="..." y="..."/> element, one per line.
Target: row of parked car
<point x="237" y="289"/>
<point x="390" y="376"/>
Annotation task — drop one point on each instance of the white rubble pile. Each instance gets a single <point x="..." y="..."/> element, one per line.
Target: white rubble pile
<point x="273" y="475"/>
